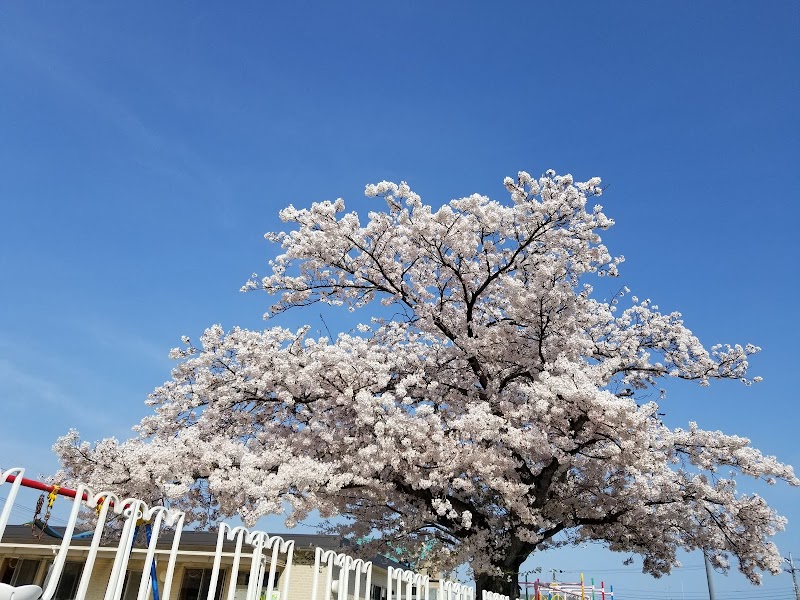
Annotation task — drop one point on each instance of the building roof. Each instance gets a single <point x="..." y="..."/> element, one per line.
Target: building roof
<point x="198" y="541"/>
<point x="190" y="539"/>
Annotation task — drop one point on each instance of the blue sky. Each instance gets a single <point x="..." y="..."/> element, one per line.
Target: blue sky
<point x="145" y="149"/>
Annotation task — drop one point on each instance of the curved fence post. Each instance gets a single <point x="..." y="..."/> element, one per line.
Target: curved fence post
<point x="453" y="590"/>
<point x="149" y="574"/>
<point x="328" y="559"/>
<point x="104" y="500"/>
<point x="397" y="579"/>
<point x="260" y="541"/>
<point x="61" y="556"/>
<point x="175" y="519"/>
<point x="17" y="473"/>
<point x="132" y="509"/>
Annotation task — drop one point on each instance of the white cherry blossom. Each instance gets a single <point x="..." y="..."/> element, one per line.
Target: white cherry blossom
<point x="493" y="415"/>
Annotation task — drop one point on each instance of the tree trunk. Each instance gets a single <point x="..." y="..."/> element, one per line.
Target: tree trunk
<point x="506" y="585"/>
<point x="506" y="566"/>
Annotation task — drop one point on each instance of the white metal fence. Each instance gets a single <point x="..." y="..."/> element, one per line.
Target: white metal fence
<point x="344" y="577"/>
<point x="453" y="590"/>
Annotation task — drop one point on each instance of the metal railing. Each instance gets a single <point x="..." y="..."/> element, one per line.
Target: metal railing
<point x="344" y="577"/>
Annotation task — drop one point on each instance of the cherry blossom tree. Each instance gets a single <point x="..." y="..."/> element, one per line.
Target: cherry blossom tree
<point x="489" y="408"/>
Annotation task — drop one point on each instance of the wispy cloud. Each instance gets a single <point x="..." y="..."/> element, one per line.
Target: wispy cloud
<point x="154" y="149"/>
<point x="35" y="400"/>
<point x="43" y="394"/>
<point x="137" y="348"/>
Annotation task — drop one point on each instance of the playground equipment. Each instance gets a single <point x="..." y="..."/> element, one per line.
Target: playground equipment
<point x="558" y="590"/>
<point x="134" y="513"/>
<point x="345" y="577"/>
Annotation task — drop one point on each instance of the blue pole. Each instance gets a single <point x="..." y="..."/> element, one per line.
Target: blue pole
<point x="153" y="577"/>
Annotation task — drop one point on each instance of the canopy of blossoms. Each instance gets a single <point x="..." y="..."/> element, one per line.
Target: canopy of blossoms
<point x="491" y="411"/>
